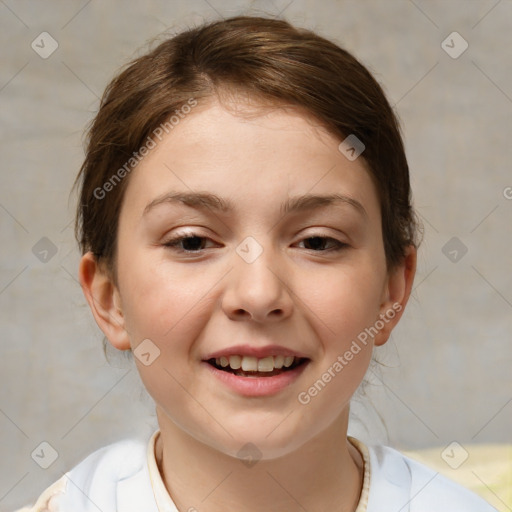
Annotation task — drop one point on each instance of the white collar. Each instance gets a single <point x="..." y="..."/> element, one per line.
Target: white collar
<point x="124" y="477"/>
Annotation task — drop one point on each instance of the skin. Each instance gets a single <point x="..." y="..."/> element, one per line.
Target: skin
<point x="309" y="298"/>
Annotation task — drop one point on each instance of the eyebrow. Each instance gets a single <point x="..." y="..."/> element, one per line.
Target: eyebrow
<point x="201" y="201"/>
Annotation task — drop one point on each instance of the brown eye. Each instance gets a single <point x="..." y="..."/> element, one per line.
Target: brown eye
<point x="318" y="243"/>
<point x="187" y="243"/>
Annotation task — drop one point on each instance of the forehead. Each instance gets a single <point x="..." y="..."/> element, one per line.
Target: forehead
<point x="239" y="125"/>
<point x="251" y="153"/>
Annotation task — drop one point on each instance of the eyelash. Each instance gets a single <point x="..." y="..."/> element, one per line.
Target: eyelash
<point x="174" y="242"/>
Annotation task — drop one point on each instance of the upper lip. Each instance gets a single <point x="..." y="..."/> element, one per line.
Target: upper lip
<point x="250" y="350"/>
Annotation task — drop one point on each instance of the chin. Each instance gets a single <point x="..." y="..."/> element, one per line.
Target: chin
<point x="258" y="440"/>
<point x="259" y="448"/>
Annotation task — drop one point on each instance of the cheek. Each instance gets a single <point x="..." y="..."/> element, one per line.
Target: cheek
<point x="343" y="301"/>
<point x="159" y="300"/>
<point x="342" y="305"/>
<point x="171" y="308"/>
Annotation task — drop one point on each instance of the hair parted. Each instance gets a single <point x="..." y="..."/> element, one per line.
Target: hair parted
<point x="268" y="60"/>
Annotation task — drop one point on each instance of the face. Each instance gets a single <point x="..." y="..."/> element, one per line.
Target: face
<point x="252" y="241"/>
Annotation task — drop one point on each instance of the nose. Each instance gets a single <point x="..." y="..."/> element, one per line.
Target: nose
<point x="258" y="290"/>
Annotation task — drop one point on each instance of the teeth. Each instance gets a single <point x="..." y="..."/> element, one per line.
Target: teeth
<point x="266" y="364"/>
<point x="278" y="362"/>
<point x="249" y="364"/>
<point x="253" y="364"/>
<point x="288" y="360"/>
<point x="235" y="362"/>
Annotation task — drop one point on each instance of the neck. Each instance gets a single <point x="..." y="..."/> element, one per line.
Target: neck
<point x="325" y="474"/>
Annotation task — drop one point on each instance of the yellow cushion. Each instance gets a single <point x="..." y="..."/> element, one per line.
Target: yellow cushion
<point x="486" y="469"/>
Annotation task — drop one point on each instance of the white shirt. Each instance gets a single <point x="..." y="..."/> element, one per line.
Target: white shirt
<point x="124" y="477"/>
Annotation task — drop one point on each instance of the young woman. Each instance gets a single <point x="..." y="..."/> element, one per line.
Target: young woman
<point x="247" y="231"/>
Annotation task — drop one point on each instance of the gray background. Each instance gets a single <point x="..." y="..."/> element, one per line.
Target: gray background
<point x="446" y="373"/>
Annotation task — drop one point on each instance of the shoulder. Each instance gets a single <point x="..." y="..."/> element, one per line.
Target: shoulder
<point x="103" y="478"/>
<point x="401" y="481"/>
<point x="48" y="499"/>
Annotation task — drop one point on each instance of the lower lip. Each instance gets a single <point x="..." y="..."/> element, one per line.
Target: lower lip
<point x="258" y="386"/>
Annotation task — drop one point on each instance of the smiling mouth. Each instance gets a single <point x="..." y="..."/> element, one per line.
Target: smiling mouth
<point x="249" y="366"/>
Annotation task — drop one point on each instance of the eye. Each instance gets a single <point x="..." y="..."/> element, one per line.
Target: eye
<point x="317" y="243"/>
<point x="193" y="243"/>
<point x="190" y="243"/>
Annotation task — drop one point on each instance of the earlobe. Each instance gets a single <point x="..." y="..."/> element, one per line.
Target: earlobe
<point x="104" y="300"/>
<point x="396" y="295"/>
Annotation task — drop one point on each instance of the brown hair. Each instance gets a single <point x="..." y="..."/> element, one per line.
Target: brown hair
<point x="266" y="59"/>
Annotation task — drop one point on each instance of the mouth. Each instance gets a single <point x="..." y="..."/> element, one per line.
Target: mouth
<point x="250" y="366"/>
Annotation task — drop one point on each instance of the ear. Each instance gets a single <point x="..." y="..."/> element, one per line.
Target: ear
<point x="396" y="294"/>
<point x="104" y="300"/>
